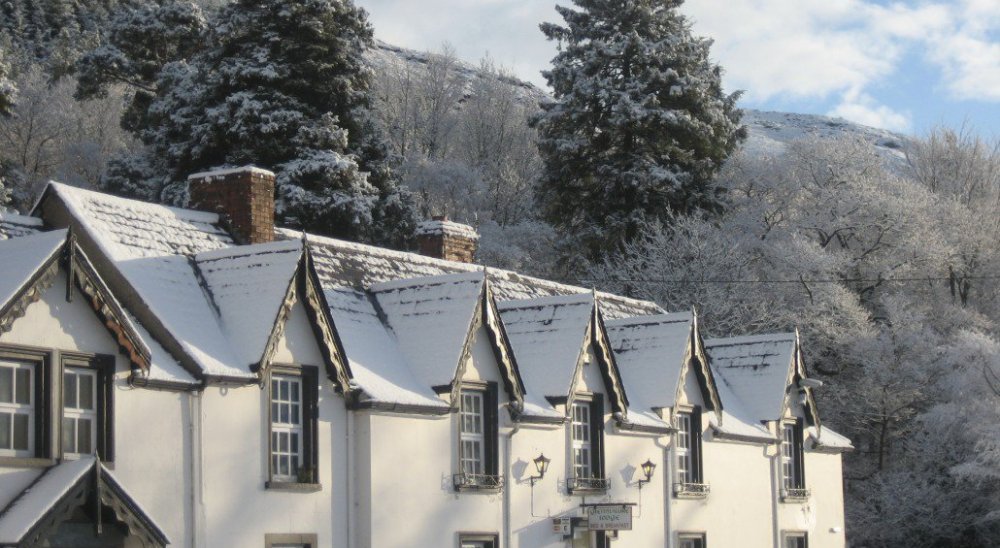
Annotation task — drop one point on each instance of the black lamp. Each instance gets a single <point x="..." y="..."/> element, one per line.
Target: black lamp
<point x="542" y="466"/>
<point x="647" y="469"/>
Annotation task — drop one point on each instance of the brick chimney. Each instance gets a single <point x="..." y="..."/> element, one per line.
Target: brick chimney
<point x="243" y="197"/>
<point x="444" y="239"/>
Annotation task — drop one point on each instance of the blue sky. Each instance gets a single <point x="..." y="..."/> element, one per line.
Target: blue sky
<point x="904" y="65"/>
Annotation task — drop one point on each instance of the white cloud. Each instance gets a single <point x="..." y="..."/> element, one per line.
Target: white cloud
<point x="863" y="109"/>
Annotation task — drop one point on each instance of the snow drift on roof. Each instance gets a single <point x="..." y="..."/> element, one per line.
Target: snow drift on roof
<point x="756" y="369"/>
<point x="162" y="366"/>
<point x="132" y="229"/>
<point x="248" y="285"/>
<point x="378" y="366"/>
<point x="450" y="228"/>
<point x="20" y="259"/>
<point x="828" y="439"/>
<point x="548" y="336"/>
<point x="736" y="420"/>
<point x="650" y="352"/>
<point x="431" y="318"/>
<point x="14" y="226"/>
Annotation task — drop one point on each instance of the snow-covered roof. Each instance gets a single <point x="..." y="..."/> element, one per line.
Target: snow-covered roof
<point x="755" y="369"/>
<point x="548" y="335"/>
<point x="378" y="366"/>
<point x="447" y="228"/>
<point x="13" y="225"/>
<point x="431" y="319"/>
<point x="825" y="439"/>
<point x="650" y="352"/>
<point x="222" y="172"/>
<point x="248" y="285"/>
<point x="22" y="257"/>
<point x="42" y="495"/>
<point x="736" y="422"/>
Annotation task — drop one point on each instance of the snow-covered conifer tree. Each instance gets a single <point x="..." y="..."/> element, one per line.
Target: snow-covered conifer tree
<point x="640" y="123"/>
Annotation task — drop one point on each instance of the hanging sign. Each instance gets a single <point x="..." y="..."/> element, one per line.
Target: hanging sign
<point x="609" y="517"/>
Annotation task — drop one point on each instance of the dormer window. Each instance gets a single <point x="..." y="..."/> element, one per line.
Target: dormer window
<point x="292" y="449"/>
<point x="587" y="446"/>
<point x="793" y="486"/>
<point x="478" y="456"/>
<point x="17" y="408"/>
<point x="79" y="423"/>
<point x="689" y="480"/>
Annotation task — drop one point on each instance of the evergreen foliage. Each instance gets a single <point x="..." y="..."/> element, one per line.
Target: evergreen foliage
<point x="277" y="83"/>
<point x="639" y="125"/>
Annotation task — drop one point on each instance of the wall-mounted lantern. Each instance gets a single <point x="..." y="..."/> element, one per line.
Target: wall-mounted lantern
<point x="541" y="466"/>
<point x="647" y="470"/>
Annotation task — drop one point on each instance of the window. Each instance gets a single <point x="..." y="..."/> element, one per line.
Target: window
<point x="691" y="540"/>
<point x="587" y="446"/>
<point x="79" y="423"/>
<point x="293" y="397"/>
<point x="792" y="470"/>
<point x="87" y="391"/>
<point x="17" y="408"/>
<point x="478" y="540"/>
<point x="796" y="540"/>
<point x="472" y="438"/>
<point x="477" y="438"/>
<point x="687" y="449"/>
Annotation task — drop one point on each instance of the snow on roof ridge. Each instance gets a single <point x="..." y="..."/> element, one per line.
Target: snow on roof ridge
<point x="552" y="300"/>
<point x="179" y="212"/>
<point x="277" y="246"/>
<point x="750" y="339"/>
<point x="406" y="283"/>
<point x="222" y="172"/>
<point x="669" y="317"/>
<point x="510" y="275"/>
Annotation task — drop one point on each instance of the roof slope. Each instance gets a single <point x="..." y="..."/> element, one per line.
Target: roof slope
<point x="548" y="335"/>
<point x="431" y="319"/>
<point x="22" y="257"/>
<point x="378" y="366"/>
<point x="650" y="352"/>
<point x="248" y="285"/>
<point x="756" y="369"/>
<point x="14" y="226"/>
<point x="43" y="494"/>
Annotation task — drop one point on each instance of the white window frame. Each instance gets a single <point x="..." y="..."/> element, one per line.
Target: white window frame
<point x="290" y="455"/>
<point x="9" y="410"/>
<point x="472" y="433"/>
<point x="682" y="448"/>
<point x="582" y="447"/>
<point x="788" y="460"/>
<point x="74" y="415"/>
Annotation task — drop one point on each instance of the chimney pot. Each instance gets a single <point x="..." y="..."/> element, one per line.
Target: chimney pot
<point x="444" y="239"/>
<point x="243" y="197"/>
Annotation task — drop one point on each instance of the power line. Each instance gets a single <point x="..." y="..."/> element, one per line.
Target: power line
<point x="798" y="281"/>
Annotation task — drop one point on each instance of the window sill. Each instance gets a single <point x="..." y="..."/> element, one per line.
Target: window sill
<point x="293" y="487"/>
<point x="26" y="462"/>
<point x="793" y="496"/>
<point x="478" y="483"/>
<point x="691" y="490"/>
<point x="587" y="486"/>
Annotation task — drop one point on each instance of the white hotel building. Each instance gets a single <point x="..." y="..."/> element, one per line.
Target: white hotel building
<point x="204" y="379"/>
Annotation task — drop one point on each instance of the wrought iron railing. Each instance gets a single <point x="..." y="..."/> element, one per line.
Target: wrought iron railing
<point x="587" y="485"/>
<point x="693" y="490"/>
<point x="478" y="482"/>
<point x="795" y="494"/>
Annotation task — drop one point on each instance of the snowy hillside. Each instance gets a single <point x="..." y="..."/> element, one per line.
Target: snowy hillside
<point x="769" y="131"/>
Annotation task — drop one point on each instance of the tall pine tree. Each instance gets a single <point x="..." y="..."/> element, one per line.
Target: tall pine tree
<point x="281" y="84"/>
<point x="640" y="123"/>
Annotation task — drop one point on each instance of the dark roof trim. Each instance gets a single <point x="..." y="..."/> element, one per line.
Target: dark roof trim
<point x="625" y="425"/>
<point x="127" y="511"/>
<point x="405" y="408"/>
<point x="609" y="367"/>
<point x="139" y="381"/>
<point x="503" y="351"/>
<point x="538" y="419"/>
<point x="742" y="438"/>
<point x="706" y="380"/>
<point x="338" y="368"/>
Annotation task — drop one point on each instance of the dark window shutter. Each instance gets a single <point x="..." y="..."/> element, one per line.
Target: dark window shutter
<point x="45" y="386"/>
<point x="491" y="429"/>
<point x="696" y="445"/>
<point x="310" y="388"/>
<point x="106" y="408"/>
<point x="800" y="468"/>
<point x="597" y="435"/>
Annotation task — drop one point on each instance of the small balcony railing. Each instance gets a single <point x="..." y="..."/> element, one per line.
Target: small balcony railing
<point x="692" y="490"/>
<point x="587" y="485"/>
<point x="795" y="495"/>
<point x="478" y="482"/>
